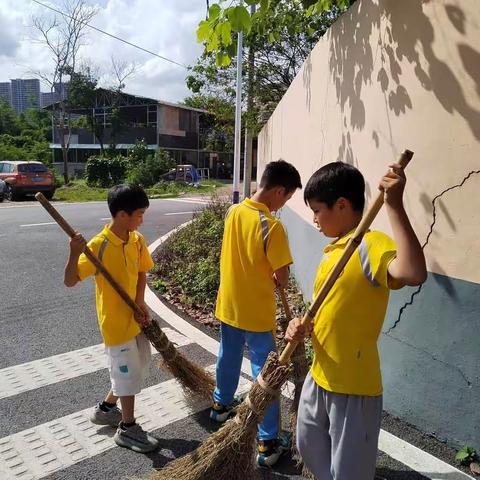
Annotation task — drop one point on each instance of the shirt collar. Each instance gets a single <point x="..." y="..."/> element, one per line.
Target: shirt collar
<point x="339" y="242"/>
<point x="257" y="206"/>
<point x="117" y="240"/>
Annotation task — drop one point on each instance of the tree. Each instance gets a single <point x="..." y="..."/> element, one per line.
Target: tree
<point x="64" y="36"/>
<point x="121" y="70"/>
<point x="223" y="22"/>
<point x="24" y="136"/>
<point x="282" y="43"/>
<point x="217" y="125"/>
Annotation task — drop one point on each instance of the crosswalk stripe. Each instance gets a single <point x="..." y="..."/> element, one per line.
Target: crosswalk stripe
<point x="58" y="444"/>
<point x="65" y="366"/>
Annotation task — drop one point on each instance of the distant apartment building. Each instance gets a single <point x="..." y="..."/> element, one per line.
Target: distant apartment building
<point x="60" y="92"/>
<point x="25" y="94"/>
<point x="6" y="92"/>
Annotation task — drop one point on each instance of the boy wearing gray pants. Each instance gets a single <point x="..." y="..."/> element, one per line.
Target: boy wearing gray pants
<point x="341" y="402"/>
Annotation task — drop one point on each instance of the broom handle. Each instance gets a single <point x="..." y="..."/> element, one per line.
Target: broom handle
<point x="88" y="253"/>
<point x="353" y="243"/>
<point x="286" y="307"/>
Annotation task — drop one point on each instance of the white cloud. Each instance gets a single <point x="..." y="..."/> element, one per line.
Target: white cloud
<point x="166" y="27"/>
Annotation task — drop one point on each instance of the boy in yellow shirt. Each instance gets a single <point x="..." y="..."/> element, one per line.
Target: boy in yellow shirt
<point x="341" y="402"/>
<point x="125" y="255"/>
<point x="255" y="257"/>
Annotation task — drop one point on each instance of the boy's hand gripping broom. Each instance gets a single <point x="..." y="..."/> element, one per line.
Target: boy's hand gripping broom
<point x="228" y="454"/>
<point x="191" y="376"/>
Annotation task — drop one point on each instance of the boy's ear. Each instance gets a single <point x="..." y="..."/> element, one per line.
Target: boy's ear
<point x="342" y="203"/>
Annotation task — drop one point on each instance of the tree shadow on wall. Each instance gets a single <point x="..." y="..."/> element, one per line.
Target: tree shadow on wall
<point x="406" y="34"/>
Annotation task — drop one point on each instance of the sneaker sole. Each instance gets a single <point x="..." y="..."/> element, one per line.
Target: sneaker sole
<point x="104" y="423"/>
<point x="134" y="448"/>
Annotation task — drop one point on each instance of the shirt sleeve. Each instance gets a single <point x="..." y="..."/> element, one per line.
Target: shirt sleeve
<point x="145" y="261"/>
<point x="381" y="251"/>
<point x="278" y="250"/>
<point x="85" y="267"/>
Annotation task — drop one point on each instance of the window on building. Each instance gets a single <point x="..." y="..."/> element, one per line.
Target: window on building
<point x="152" y="115"/>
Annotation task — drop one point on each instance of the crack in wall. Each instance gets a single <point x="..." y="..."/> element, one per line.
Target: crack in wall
<point x="433" y="357"/>
<point x="419" y="289"/>
<point x="425" y="243"/>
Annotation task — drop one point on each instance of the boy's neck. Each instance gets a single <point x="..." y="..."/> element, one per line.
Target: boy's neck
<point x="262" y="196"/>
<point x="119" y="230"/>
<point x="352" y="224"/>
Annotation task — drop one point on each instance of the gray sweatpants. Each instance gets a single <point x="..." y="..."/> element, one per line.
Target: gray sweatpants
<point x="337" y="434"/>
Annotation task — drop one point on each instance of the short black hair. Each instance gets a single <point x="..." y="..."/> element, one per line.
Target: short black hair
<point x="127" y="198"/>
<point x="280" y="174"/>
<point x="336" y="180"/>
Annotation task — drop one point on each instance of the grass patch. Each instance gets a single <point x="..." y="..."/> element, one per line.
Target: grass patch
<point x="79" y="191"/>
<point x="187" y="264"/>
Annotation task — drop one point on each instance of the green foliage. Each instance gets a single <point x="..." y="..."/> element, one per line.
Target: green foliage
<point x="24" y="136"/>
<point x="466" y="455"/>
<point x="189" y="260"/>
<point x="226" y="20"/>
<point x="102" y="171"/>
<point x="281" y="42"/>
<point x="146" y="169"/>
<point x="79" y="191"/>
<point x="218" y="128"/>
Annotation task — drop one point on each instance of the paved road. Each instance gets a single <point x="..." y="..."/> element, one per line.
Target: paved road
<point x="52" y="369"/>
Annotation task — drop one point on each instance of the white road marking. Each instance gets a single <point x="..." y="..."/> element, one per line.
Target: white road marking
<point x="38" y="452"/>
<point x="65" y="366"/>
<point x="106" y="218"/>
<point x="188" y="200"/>
<point x="179" y="213"/>
<point x="418" y="460"/>
<point x="38" y="224"/>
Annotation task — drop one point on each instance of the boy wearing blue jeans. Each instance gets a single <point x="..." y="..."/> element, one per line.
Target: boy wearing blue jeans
<point x="254" y="259"/>
<point x="341" y="402"/>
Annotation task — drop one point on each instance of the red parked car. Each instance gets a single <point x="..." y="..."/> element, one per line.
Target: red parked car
<point x="23" y="178"/>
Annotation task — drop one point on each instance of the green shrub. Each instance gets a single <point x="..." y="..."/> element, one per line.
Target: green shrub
<point x="148" y="170"/>
<point x="105" y="171"/>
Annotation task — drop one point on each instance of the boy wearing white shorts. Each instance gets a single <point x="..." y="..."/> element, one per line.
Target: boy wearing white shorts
<point x="124" y="253"/>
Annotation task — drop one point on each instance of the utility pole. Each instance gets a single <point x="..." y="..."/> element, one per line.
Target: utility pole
<point x="247" y="165"/>
<point x="238" y="121"/>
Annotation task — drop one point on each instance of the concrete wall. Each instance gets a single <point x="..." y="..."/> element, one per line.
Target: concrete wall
<point x="391" y="75"/>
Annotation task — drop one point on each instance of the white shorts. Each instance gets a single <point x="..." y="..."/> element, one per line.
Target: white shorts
<point x="128" y="365"/>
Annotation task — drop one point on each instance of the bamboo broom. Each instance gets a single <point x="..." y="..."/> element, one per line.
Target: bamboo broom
<point x="228" y="454"/>
<point x="194" y="378"/>
<point x="299" y="372"/>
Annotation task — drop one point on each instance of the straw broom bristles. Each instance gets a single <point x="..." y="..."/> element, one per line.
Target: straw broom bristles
<point x="236" y="439"/>
<point x="191" y="376"/>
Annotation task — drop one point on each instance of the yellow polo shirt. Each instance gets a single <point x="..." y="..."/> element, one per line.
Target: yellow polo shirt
<point x="254" y="246"/>
<point x="348" y="324"/>
<point x="124" y="261"/>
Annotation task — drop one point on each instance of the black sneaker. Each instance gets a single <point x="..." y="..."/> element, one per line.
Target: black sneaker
<point x="270" y="451"/>
<point x="221" y="413"/>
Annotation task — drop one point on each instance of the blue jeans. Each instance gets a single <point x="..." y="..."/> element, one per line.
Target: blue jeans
<point x="229" y="364"/>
